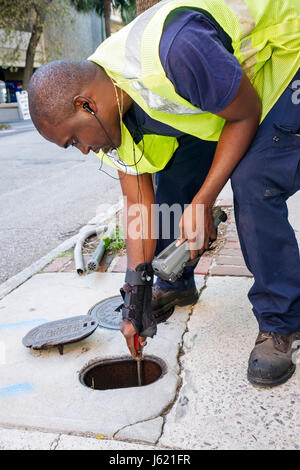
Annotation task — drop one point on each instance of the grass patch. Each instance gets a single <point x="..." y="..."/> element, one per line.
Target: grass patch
<point x="64" y="254"/>
<point x="4" y="126"/>
<point x="116" y="242"/>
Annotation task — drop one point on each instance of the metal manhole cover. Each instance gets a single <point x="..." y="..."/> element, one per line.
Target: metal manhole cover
<point x="106" y="314"/>
<point x="60" y="332"/>
<point x="108" y="317"/>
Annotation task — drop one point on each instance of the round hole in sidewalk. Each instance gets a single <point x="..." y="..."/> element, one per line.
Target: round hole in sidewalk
<point x="114" y="373"/>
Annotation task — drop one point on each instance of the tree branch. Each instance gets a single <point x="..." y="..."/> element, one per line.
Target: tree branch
<point x="37" y="31"/>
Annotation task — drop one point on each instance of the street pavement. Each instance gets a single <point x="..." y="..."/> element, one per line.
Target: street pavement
<point x="46" y="194"/>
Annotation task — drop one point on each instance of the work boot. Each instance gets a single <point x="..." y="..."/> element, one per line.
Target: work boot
<point x="164" y="300"/>
<point x="270" y="361"/>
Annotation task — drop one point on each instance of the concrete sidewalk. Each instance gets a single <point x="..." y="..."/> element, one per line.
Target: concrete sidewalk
<point x="202" y="401"/>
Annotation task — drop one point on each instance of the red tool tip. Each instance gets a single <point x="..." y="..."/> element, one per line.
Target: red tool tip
<point x="136" y="342"/>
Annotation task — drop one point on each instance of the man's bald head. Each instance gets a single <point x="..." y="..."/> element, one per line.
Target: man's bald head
<point x="53" y="87"/>
<point x="58" y="92"/>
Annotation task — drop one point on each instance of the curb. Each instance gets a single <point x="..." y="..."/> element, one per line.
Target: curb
<point x="15" y="281"/>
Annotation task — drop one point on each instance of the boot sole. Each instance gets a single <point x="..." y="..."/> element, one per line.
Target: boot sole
<point x="166" y="310"/>
<point x="163" y="317"/>
<point x="191" y="301"/>
<point x="178" y="302"/>
<point x="269" y="383"/>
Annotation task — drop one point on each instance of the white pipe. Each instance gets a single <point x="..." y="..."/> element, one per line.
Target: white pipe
<point x="94" y="262"/>
<point x="78" y="258"/>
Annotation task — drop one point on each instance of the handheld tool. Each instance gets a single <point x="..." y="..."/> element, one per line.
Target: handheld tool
<point x="169" y="264"/>
<point x="139" y="358"/>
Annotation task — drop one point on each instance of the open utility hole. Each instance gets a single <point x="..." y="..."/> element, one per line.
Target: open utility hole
<point x="121" y="373"/>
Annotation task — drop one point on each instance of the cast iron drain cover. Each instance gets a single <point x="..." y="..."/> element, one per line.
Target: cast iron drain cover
<point x="107" y="317"/>
<point x="60" y="332"/>
<point x="105" y="313"/>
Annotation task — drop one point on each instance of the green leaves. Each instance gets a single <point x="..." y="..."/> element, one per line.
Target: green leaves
<point x="127" y="7"/>
<point x="117" y="242"/>
<point x="84" y="5"/>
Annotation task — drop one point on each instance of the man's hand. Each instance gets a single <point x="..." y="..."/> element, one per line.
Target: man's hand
<point x="197" y="226"/>
<point x="129" y="332"/>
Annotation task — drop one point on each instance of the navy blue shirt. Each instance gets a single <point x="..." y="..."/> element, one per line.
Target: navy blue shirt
<point x="197" y="57"/>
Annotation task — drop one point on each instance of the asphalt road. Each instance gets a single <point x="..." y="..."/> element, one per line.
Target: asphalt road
<point x="46" y="195"/>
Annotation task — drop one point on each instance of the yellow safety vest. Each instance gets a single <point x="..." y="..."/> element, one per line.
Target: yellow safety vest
<point x="265" y="38"/>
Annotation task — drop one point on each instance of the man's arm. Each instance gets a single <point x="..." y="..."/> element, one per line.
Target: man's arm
<point x="243" y="117"/>
<point x="139" y="194"/>
<point x="140" y="246"/>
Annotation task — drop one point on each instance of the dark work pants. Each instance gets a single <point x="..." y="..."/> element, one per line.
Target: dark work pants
<point x="262" y="182"/>
<point x="265" y="178"/>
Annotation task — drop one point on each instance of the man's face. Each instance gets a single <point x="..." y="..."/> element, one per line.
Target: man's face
<point x="83" y="131"/>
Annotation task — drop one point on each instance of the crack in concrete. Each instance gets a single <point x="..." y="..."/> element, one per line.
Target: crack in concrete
<point x="137" y="441"/>
<point x="181" y="352"/>
<point x="133" y="424"/>
<point x="54" y="444"/>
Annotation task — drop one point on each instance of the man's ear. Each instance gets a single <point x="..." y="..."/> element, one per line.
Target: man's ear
<point x="80" y="100"/>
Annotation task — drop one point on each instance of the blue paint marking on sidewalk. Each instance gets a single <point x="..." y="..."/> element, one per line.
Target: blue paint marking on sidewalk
<point x="8" y="326"/>
<point x="15" y="389"/>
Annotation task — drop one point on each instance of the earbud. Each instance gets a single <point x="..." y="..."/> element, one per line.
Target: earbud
<point x="86" y="106"/>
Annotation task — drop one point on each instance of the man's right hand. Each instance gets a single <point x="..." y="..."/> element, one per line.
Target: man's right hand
<point x="129" y="332"/>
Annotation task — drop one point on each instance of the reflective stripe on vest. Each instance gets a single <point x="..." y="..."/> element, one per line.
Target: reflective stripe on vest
<point x="244" y="15"/>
